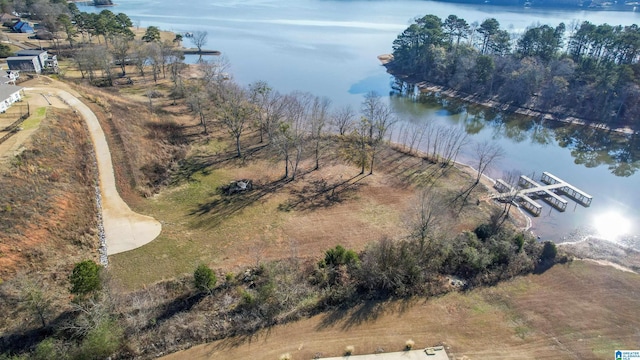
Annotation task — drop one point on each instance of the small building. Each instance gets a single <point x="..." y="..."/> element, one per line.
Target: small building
<point x="9" y="94"/>
<point x="25" y="64"/>
<point x="22" y="27"/>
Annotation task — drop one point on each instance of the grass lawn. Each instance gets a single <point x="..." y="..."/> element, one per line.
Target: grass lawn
<point x="35" y="118"/>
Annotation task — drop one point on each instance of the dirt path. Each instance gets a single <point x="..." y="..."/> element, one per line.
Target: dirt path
<point x="124" y="229"/>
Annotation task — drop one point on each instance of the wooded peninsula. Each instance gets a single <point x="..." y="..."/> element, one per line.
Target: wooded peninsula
<point x="580" y="70"/>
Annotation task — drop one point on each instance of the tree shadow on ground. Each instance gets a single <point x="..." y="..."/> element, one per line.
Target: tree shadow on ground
<point x="322" y="194"/>
<point x="213" y="212"/>
<point x="20" y="342"/>
<point x="241" y="339"/>
<point x="363" y="313"/>
<point x="180" y="304"/>
<point x="203" y="163"/>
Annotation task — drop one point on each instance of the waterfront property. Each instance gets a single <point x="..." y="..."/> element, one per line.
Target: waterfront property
<point x="550" y="193"/>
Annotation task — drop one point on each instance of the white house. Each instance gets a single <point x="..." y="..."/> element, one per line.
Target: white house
<point x="8" y="95"/>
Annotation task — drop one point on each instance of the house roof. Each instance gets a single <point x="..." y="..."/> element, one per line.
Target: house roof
<point x="27" y="58"/>
<point x="22" y="26"/>
<point x="8" y="90"/>
<point x="30" y="52"/>
<point x="8" y="17"/>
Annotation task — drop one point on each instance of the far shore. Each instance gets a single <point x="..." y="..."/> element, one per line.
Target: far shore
<point x="426" y="87"/>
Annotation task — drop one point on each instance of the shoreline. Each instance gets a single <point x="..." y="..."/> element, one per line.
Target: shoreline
<point x="426" y="87"/>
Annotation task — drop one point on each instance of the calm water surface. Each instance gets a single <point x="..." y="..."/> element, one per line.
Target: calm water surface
<point x="329" y="48"/>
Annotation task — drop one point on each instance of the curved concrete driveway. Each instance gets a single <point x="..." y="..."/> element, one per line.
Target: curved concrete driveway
<point x="124" y="229"/>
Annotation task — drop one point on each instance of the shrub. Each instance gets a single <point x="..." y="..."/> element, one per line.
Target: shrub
<point x="285" y="356"/>
<point x="339" y="256"/>
<point x="247" y="298"/>
<point x="101" y="342"/>
<point x="204" y="278"/>
<point x="229" y="277"/>
<point x="85" y="278"/>
<point x="549" y="251"/>
<point x="47" y="349"/>
<point x="349" y="350"/>
<point x="408" y="345"/>
<point x="519" y="241"/>
<point x="484" y="231"/>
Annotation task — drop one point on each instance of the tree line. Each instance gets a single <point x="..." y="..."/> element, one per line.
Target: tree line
<point x="582" y="69"/>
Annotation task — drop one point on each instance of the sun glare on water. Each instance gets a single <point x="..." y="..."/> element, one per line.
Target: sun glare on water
<point x="611" y="225"/>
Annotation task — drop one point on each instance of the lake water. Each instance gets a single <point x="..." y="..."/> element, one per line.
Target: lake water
<point x="329" y="48"/>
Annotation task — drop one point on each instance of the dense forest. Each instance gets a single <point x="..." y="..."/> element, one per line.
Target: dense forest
<point x="583" y="70"/>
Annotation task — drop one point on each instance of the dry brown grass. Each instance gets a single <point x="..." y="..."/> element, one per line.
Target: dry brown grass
<point x="47" y="190"/>
<point x="580" y="310"/>
<point x="47" y="211"/>
<point x="278" y="218"/>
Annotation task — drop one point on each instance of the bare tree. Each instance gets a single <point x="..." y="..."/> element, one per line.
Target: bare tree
<point x="511" y="178"/>
<point x="282" y="141"/>
<point x="360" y="140"/>
<point x="318" y="120"/>
<point x="167" y="55"/>
<point x="288" y="134"/>
<point x="198" y="102"/>
<point x="120" y="48"/>
<point x="454" y="139"/>
<point x="297" y="113"/>
<point x="35" y="295"/>
<point x="214" y="72"/>
<point x="274" y="112"/>
<point x="235" y="112"/>
<point x="260" y="94"/>
<point x="199" y="39"/>
<point x="343" y="119"/>
<point x="176" y="65"/>
<point x="486" y="153"/>
<point x="140" y="56"/>
<point x="156" y="59"/>
<point x="380" y="118"/>
<point x="427" y="213"/>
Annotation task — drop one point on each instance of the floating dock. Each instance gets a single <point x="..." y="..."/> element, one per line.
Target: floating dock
<point x="550" y="193"/>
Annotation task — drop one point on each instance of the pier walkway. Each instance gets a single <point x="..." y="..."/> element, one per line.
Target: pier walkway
<point x="550" y="193"/>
